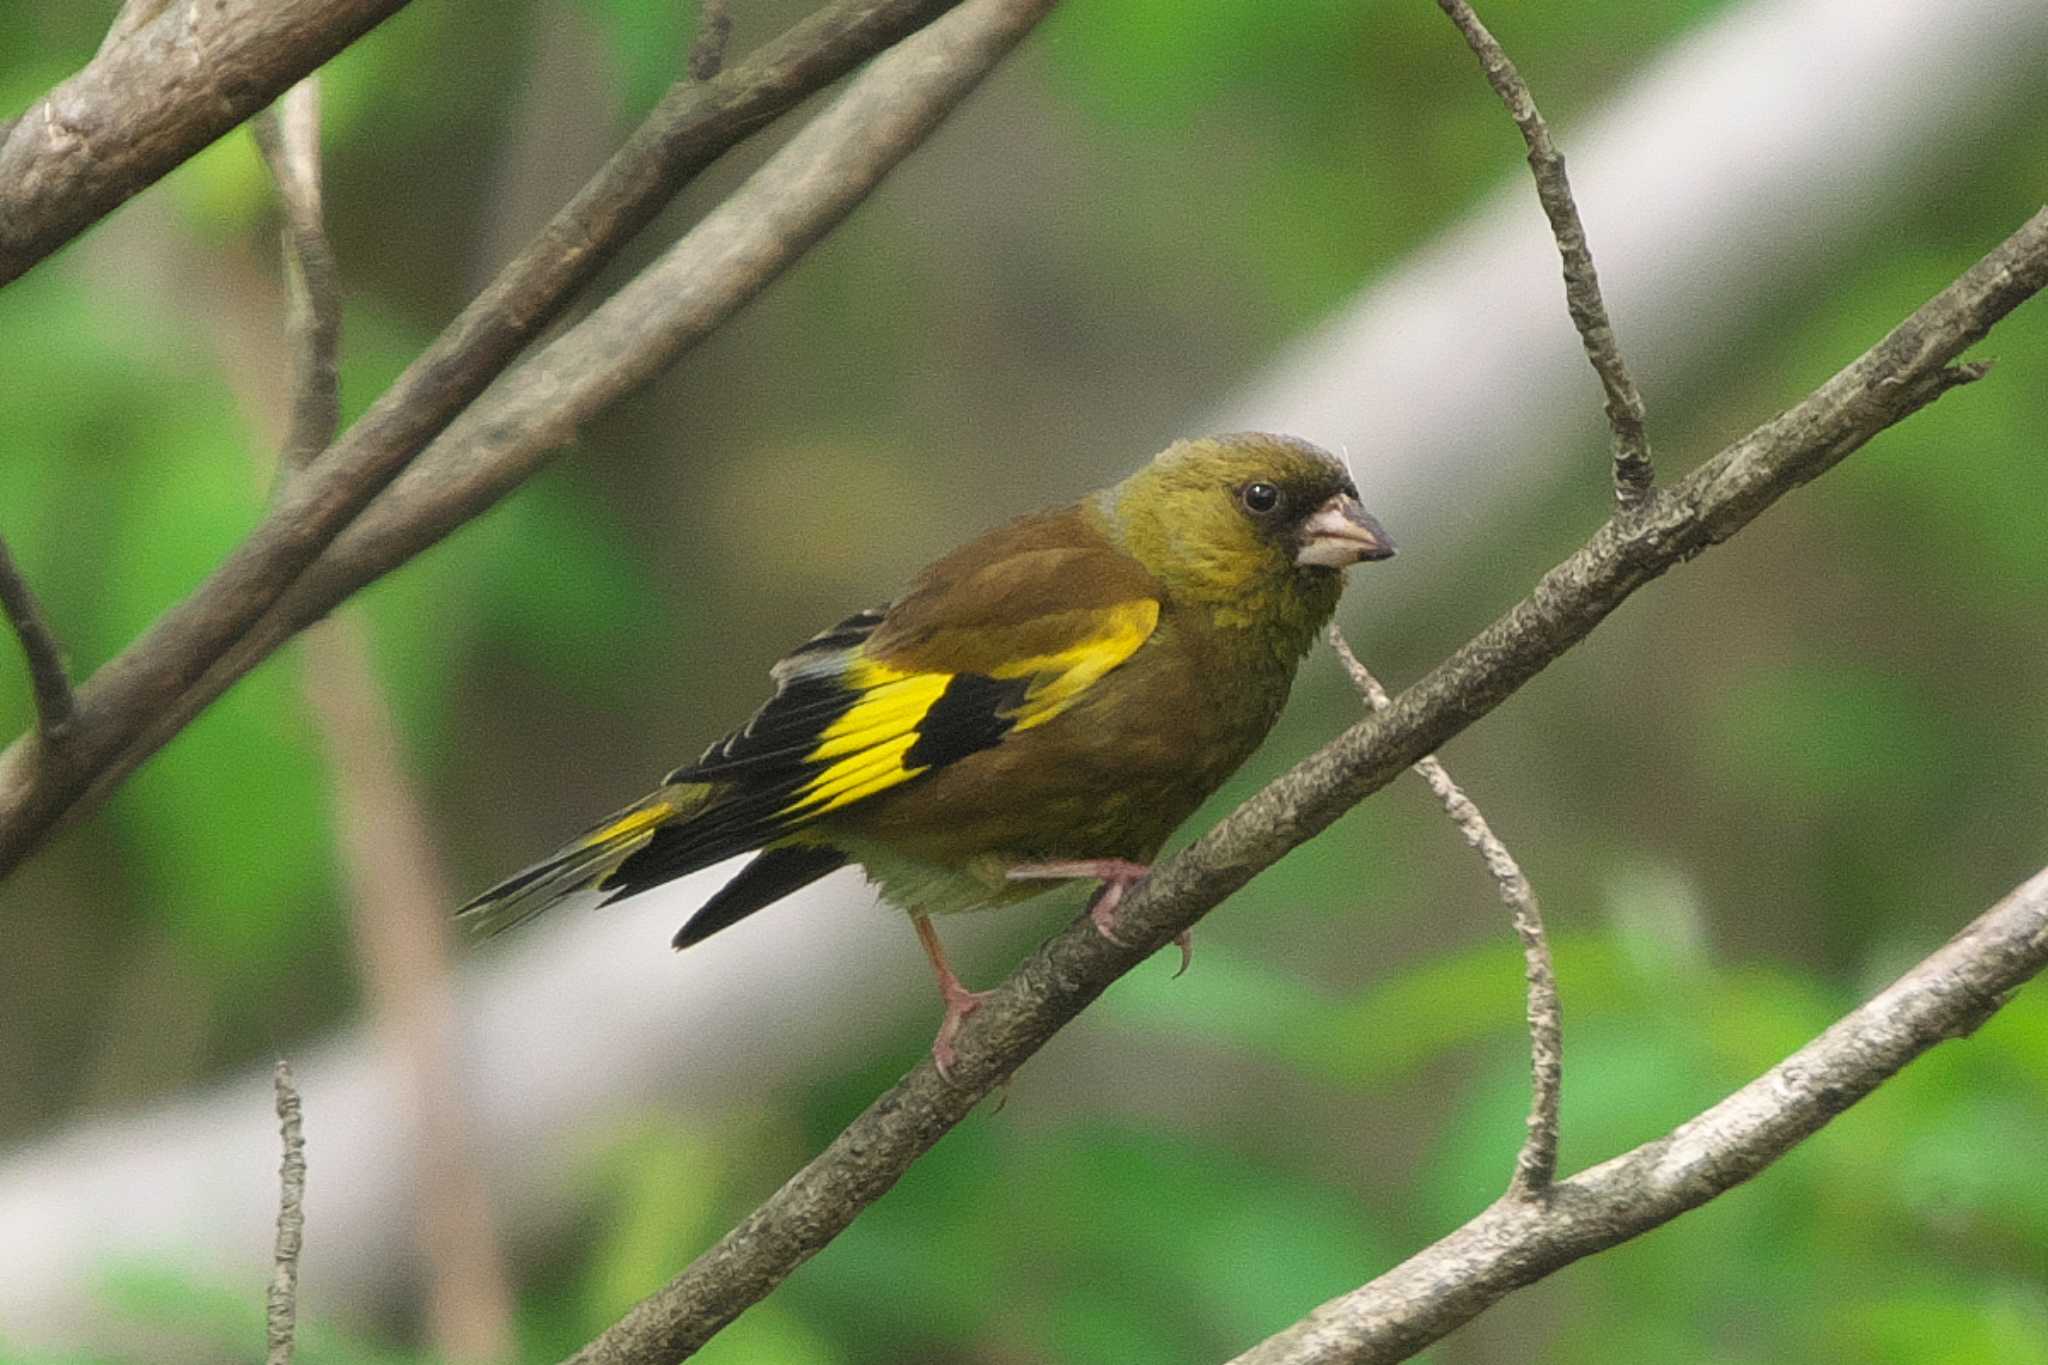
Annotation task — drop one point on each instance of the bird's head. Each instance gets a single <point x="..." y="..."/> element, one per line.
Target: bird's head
<point x="1258" y="528"/>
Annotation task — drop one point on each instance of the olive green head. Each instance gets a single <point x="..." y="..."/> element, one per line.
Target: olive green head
<point x="1257" y="528"/>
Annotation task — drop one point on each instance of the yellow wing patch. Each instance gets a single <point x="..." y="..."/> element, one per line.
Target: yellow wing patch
<point x="865" y="751"/>
<point x="1063" y="677"/>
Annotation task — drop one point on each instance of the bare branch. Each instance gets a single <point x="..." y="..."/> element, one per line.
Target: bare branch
<point x="282" y="1302"/>
<point x="133" y="16"/>
<point x="1536" y="1164"/>
<point x="169" y="79"/>
<point x="1633" y="473"/>
<point x="714" y="31"/>
<point x="397" y="892"/>
<point x="56" y="707"/>
<point x="1900" y="375"/>
<point x="288" y="135"/>
<point x="123" y="705"/>
<point x="1516" y="1242"/>
<point x="398" y="906"/>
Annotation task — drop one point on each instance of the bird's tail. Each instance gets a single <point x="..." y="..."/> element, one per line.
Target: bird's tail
<point x="583" y="864"/>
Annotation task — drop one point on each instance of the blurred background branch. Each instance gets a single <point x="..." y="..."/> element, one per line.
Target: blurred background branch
<point x="48" y="679"/>
<point x="398" y="894"/>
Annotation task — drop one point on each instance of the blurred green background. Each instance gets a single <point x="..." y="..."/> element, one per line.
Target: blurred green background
<point x="1780" y="778"/>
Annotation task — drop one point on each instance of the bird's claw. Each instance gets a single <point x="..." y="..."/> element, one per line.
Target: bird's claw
<point x="1117" y="876"/>
<point x="960" y="1002"/>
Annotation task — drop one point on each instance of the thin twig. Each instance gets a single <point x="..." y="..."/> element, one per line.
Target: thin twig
<point x="288" y="135"/>
<point x="56" y="705"/>
<point x="1903" y="373"/>
<point x="281" y="1304"/>
<point x="396" y="890"/>
<point x="1517" y="1241"/>
<point x="1536" y="1164"/>
<point x="1633" y="472"/>
<point x="714" y="31"/>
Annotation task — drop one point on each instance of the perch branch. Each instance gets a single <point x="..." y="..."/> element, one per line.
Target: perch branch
<point x="56" y="706"/>
<point x="1633" y="474"/>
<point x="1517" y="1242"/>
<point x="1909" y="369"/>
<point x="281" y="1303"/>
<point x="122" y="707"/>
<point x="1536" y="1164"/>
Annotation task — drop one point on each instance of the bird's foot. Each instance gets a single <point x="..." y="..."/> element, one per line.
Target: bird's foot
<point x="1118" y="876"/>
<point x="960" y="1002"/>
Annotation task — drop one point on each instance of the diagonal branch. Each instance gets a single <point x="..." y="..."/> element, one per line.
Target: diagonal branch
<point x="121" y="707"/>
<point x="56" y="707"/>
<point x="1903" y="373"/>
<point x="1536" y="1163"/>
<point x="1633" y="473"/>
<point x="1517" y="1242"/>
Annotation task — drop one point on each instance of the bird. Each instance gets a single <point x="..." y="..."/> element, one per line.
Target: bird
<point x="1047" y="703"/>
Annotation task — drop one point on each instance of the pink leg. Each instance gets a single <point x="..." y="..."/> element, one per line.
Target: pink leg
<point x="1117" y="875"/>
<point x="960" y="1002"/>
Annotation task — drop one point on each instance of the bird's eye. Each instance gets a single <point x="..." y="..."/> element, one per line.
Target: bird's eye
<point x="1259" y="498"/>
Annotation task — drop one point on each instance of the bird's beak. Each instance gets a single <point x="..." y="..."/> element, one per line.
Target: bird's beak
<point x="1340" y="533"/>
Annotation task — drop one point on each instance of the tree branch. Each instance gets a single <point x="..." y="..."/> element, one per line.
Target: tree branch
<point x="1517" y="1242"/>
<point x="281" y="1304"/>
<point x="1536" y="1164"/>
<point x="714" y="30"/>
<point x="123" y="705"/>
<point x="397" y="894"/>
<point x="169" y="79"/>
<point x="56" y="707"/>
<point x="1633" y="473"/>
<point x="1903" y="373"/>
<point x="288" y="135"/>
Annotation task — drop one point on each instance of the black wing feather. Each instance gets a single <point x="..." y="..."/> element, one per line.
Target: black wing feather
<point x="761" y="883"/>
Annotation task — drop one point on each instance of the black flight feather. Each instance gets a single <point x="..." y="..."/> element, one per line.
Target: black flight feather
<point x="761" y="883"/>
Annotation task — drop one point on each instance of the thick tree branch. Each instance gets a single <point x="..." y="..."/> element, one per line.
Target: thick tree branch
<point x="122" y="707"/>
<point x="1516" y="1242"/>
<point x="169" y="79"/>
<point x="1903" y="373"/>
<point x="1633" y="472"/>
<point x="1536" y="1163"/>
<point x="56" y="706"/>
